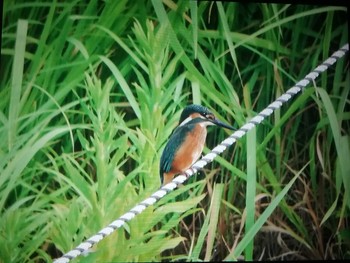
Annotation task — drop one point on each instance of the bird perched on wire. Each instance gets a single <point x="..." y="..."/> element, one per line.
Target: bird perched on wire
<point x="186" y="143"/>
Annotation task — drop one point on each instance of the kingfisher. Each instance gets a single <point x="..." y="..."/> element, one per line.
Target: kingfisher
<point x="187" y="141"/>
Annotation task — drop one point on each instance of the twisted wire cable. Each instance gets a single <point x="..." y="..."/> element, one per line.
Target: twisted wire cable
<point x="208" y="158"/>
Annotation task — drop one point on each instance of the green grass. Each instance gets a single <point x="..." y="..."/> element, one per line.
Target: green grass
<point x="91" y="91"/>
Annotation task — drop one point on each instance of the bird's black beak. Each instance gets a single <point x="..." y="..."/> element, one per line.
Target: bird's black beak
<point x="221" y="124"/>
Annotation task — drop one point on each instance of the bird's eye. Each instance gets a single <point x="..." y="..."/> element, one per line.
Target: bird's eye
<point x="209" y="116"/>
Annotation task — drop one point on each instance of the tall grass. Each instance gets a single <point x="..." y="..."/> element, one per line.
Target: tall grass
<point x="91" y="91"/>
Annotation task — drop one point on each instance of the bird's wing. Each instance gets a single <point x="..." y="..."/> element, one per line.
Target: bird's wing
<point x="175" y="140"/>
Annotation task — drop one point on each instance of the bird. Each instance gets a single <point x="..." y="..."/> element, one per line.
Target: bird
<point x="187" y="141"/>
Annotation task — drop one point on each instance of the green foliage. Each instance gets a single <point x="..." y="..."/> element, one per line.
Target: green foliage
<point x="91" y="90"/>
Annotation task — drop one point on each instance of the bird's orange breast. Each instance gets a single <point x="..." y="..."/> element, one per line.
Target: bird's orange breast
<point x="190" y="150"/>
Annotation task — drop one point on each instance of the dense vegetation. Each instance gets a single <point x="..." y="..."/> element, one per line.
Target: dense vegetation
<point x="91" y="90"/>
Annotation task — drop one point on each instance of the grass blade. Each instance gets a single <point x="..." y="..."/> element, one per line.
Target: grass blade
<point x="251" y="189"/>
<point x="17" y="76"/>
<point x="262" y="219"/>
